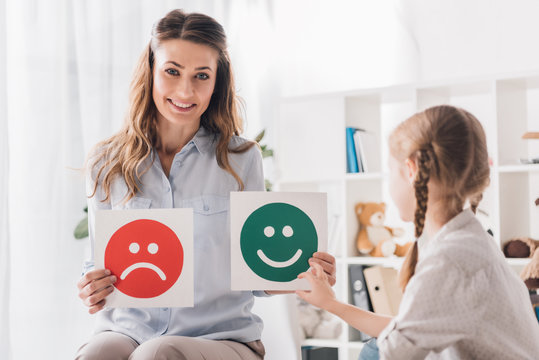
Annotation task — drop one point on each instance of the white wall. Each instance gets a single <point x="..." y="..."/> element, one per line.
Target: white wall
<point x="339" y="45"/>
<point x="461" y="38"/>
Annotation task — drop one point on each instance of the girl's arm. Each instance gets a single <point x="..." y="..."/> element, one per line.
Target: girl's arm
<point x="323" y="297"/>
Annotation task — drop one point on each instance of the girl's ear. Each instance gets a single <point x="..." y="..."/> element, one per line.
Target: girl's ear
<point x="411" y="169"/>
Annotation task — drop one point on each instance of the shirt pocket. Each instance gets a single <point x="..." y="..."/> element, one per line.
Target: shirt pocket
<point x="207" y="205"/>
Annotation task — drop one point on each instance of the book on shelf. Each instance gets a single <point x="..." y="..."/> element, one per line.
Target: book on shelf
<point x="359" y="292"/>
<point x="351" y="159"/>
<point x="361" y="150"/>
<point x="384" y="290"/>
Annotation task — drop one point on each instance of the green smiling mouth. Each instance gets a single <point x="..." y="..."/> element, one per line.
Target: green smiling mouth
<point x="277" y="240"/>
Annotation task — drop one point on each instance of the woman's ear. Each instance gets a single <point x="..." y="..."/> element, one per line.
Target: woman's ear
<point x="411" y="170"/>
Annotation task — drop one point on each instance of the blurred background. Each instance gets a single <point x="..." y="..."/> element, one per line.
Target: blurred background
<point x="65" y="68"/>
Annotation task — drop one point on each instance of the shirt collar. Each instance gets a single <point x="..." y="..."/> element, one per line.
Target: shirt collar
<point x="457" y="222"/>
<point x="202" y="140"/>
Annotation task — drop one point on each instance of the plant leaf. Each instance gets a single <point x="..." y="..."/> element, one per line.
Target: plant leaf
<point x="260" y="136"/>
<point x="81" y="231"/>
<point x="267" y="153"/>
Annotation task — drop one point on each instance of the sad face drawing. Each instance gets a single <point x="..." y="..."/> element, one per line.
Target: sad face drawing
<point x="146" y="256"/>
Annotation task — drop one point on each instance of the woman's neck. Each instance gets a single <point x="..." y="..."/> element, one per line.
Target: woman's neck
<point x="172" y="138"/>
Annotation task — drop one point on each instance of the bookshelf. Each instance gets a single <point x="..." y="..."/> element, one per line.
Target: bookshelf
<point x="311" y="156"/>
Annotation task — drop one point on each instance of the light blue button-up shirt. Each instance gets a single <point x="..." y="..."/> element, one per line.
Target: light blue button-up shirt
<point x="195" y="181"/>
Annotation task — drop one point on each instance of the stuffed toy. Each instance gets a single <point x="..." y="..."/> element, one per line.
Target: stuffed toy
<point x="374" y="238"/>
<point x="525" y="247"/>
<point x="317" y="323"/>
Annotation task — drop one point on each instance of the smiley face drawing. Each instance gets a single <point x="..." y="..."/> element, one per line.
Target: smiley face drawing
<point x="277" y="240"/>
<point x="146" y="256"/>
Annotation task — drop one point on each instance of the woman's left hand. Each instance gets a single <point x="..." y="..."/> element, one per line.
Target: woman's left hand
<point x="327" y="262"/>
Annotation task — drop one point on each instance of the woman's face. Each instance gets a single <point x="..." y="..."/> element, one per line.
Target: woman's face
<point x="401" y="188"/>
<point x="183" y="81"/>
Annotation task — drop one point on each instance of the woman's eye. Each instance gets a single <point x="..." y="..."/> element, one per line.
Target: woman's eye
<point x="172" y="71"/>
<point x="203" y="76"/>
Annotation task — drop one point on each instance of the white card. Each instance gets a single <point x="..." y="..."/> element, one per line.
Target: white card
<point x="151" y="254"/>
<point x="273" y="234"/>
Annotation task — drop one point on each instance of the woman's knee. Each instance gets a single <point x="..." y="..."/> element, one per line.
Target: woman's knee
<point x="107" y="346"/>
<point x="162" y="348"/>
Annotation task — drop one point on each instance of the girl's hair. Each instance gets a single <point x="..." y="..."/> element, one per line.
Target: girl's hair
<point x="123" y="153"/>
<point x="449" y="147"/>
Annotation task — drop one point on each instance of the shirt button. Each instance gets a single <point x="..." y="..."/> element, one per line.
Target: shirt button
<point x="168" y="189"/>
<point x="206" y="208"/>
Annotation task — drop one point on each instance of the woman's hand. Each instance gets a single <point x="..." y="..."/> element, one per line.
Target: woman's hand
<point x="94" y="287"/>
<point x="321" y="294"/>
<point x="327" y="262"/>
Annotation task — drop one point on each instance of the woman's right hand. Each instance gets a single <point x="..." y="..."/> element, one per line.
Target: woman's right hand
<point x="94" y="287"/>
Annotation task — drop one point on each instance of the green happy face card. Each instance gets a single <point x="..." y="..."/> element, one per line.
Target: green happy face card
<point x="273" y="235"/>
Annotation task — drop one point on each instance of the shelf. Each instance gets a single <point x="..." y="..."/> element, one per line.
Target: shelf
<point x="369" y="260"/>
<point x="507" y="107"/>
<point x="365" y="176"/>
<point x="356" y="345"/>
<point x="518" y="261"/>
<point x="323" y="342"/>
<point x="518" y="168"/>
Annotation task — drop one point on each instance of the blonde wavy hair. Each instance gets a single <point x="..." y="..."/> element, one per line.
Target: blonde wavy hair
<point x="124" y="153"/>
<point x="449" y="147"/>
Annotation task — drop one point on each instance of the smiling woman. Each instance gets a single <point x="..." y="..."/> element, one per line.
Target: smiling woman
<point x="179" y="147"/>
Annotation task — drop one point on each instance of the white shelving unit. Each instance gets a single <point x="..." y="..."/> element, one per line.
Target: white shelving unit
<point x="311" y="156"/>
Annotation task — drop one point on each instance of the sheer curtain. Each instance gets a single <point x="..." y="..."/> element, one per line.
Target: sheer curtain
<point x="4" y="170"/>
<point x="65" y="68"/>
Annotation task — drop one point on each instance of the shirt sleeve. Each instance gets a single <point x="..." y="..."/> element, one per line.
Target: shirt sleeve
<point x="439" y="307"/>
<point x="94" y="203"/>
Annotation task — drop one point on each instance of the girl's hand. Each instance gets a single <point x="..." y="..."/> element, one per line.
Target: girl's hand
<point x="94" y="287"/>
<point x="321" y="294"/>
<point x="327" y="262"/>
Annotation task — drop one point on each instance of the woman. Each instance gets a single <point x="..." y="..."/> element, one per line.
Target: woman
<point x="179" y="147"/>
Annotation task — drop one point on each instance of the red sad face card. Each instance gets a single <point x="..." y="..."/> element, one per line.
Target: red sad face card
<point x="151" y="254"/>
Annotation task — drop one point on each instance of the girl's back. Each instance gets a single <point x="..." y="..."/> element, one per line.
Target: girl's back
<point x="463" y="298"/>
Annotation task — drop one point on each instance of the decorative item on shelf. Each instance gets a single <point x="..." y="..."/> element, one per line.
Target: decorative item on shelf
<point x="528" y="136"/>
<point x="374" y="238"/>
<point x="525" y="247"/>
<point x="317" y="323"/>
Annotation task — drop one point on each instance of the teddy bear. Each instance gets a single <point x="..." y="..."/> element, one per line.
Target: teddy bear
<point x="317" y="323"/>
<point x="374" y="238"/>
<point x="525" y="247"/>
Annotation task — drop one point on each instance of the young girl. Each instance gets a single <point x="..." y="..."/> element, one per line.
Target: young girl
<point x="461" y="300"/>
<point x="179" y="148"/>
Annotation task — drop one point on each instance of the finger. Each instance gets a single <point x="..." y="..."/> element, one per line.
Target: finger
<point x="302" y="294"/>
<point x="324" y="256"/>
<point x="96" y="286"/>
<point x="328" y="268"/>
<point x="92" y="275"/>
<point x="98" y="296"/>
<point x="332" y="280"/>
<point x="319" y="271"/>
<point x="97" y="307"/>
